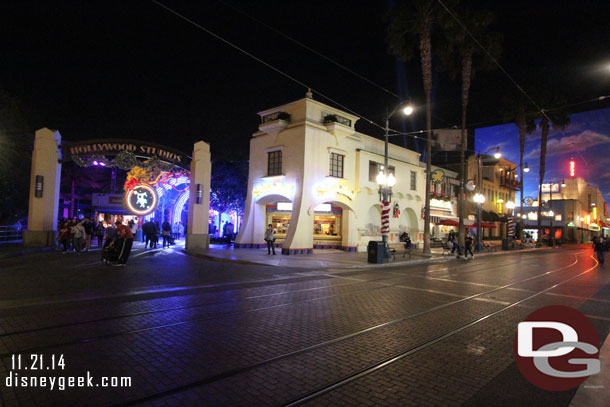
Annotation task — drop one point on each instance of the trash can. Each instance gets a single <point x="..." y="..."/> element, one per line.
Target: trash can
<point x="504" y="244"/>
<point x="375" y="251"/>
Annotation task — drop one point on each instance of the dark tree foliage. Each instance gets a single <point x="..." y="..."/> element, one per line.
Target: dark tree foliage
<point x="229" y="186"/>
<point x="15" y="161"/>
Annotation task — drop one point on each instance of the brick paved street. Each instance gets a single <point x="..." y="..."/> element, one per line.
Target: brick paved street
<point x="191" y="331"/>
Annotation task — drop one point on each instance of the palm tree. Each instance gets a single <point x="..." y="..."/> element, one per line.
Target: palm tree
<point x="411" y="27"/>
<point x="515" y="110"/>
<point x="460" y="45"/>
<point x="559" y="120"/>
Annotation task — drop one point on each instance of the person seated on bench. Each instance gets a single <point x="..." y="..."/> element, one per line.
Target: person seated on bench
<point x="404" y="237"/>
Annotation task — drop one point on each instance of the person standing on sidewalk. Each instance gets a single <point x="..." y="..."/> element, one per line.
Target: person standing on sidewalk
<point x="468" y="247"/>
<point x="78" y="234"/>
<point x="88" y="225"/>
<point x="270" y="239"/>
<point x="600" y="248"/>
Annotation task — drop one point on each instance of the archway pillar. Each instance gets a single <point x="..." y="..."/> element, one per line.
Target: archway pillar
<point x="299" y="239"/>
<point x="44" y="189"/>
<point x="197" y="236"/>
<point x="349" y="231"/>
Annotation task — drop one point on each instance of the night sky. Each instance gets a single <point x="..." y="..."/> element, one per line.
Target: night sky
<point x="117" y="69"/>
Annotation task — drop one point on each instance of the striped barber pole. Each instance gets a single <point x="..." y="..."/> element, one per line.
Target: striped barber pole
<point x="385" y="218"/>
<point x="511" y="226"/>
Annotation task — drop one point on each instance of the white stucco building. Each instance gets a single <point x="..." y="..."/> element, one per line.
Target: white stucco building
<point x="312" y="176"/>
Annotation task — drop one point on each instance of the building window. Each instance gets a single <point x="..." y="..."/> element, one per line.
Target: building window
<point x="374" y="168"/>
<point x="413" y="180"/>
<point x="274" y="163"/>
<point x="336" y="165"/>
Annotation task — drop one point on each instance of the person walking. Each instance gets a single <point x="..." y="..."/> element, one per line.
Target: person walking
<point x="468" y="247"/>
<point x="166" y="233"/>
<point x="600" y="247"/>
<point x="78" y="234"/>
<point x="99" y="232"/>
<point x="64" y="236"/>
<point x="88" y="225"/>
<point x="270" y="239"/>
<point x="126" y="235"/>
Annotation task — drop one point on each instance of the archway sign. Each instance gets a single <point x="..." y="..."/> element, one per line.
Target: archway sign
<point x="146" y="162"/>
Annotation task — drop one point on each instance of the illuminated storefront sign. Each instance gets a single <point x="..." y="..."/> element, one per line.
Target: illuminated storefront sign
<point x="572" y="168"/>
<point x="327" y="189"/>
<point x="547" y="187"/>
<point x="594" y="226"/>
<point x="141" y="200"/>
<point x="273" y="188"/>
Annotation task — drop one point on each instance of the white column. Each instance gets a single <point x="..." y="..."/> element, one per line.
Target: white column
<point x="299" y="239"/>
<point x="197" y="236"/>
<point x="349" y="230"/>
<point x="46" y="168"/>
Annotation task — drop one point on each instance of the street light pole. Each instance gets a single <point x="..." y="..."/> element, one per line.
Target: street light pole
<point x="386" y="181"/>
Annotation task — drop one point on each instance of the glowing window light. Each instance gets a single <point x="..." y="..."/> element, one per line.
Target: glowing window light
<point x="322" y="208"/>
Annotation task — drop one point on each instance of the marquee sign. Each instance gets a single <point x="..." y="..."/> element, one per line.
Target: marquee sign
<point x="273" y="188"/>
<point x="141" y="200"/>
<point x="325" y="189"/>
<point x="111" y="147"/>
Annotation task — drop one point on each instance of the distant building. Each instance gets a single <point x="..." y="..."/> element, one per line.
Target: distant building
<point x="579" y="211"/>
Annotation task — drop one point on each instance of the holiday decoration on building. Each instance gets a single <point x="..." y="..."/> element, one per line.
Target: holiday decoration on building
<point x="396" y="211"/>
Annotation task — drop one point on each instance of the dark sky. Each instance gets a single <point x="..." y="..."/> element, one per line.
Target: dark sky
<point x="111" y="69"/>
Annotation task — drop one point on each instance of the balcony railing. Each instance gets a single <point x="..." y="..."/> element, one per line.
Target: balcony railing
<point x="276" y="116"/>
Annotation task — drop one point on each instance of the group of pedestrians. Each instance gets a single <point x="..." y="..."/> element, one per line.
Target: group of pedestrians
<point x="601" y="245"/>
<point x="75" y="234"/>
<point x="454" y="245"/>
<point x="118" y="243"/>
<point x="169" y="233"/>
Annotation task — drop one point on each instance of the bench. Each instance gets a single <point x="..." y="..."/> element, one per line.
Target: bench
<point x="489" y="247"/>
<point x="399" y="248"/>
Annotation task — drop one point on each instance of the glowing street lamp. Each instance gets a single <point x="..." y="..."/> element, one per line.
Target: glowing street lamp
<point x="384" y="179"/>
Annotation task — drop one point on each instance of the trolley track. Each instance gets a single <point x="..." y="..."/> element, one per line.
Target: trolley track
<point x="210" y="304"/>
<point x="375" y="366"/>
<point x="418" y="347"/>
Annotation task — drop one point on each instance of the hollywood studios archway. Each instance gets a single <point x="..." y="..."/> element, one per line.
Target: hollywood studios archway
<point x="155" y="171"/>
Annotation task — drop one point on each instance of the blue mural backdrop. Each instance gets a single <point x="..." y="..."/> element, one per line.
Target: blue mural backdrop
<point x="586" y="140"/>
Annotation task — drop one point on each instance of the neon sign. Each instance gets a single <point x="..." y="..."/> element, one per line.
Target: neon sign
<point x="326" y="189"/>
<point x="273" y="188"/>
<point x="572" y="168"/>
<point x="141" y="199"/>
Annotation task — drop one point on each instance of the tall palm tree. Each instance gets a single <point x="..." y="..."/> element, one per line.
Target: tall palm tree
<point x="558" y="119"/>
<point x="411" y="27"/>
<point x="459" y="46"/>
<point x="516" y="111"/>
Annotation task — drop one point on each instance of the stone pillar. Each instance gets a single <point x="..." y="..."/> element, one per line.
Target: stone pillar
<point x="197" y="236"/>
<point x="299" y="239"/>
<point x="349" y="231"/>
<point x="44" y="189"/>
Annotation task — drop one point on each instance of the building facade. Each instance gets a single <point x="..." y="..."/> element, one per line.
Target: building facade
<point x="499" y="183"/>
<point x="579" y="211"/>
<point x="312" y="176"/>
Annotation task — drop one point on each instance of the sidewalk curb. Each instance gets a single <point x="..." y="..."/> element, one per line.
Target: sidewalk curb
<point x="221" y="260"/>
<point x="431" y="260"/>
<point x="25" y="252"/>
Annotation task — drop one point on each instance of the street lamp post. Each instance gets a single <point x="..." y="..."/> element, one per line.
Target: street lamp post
<point x="551" y="213"/>
<point x="386" y="181"/>
<point x="479" y="198"/>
